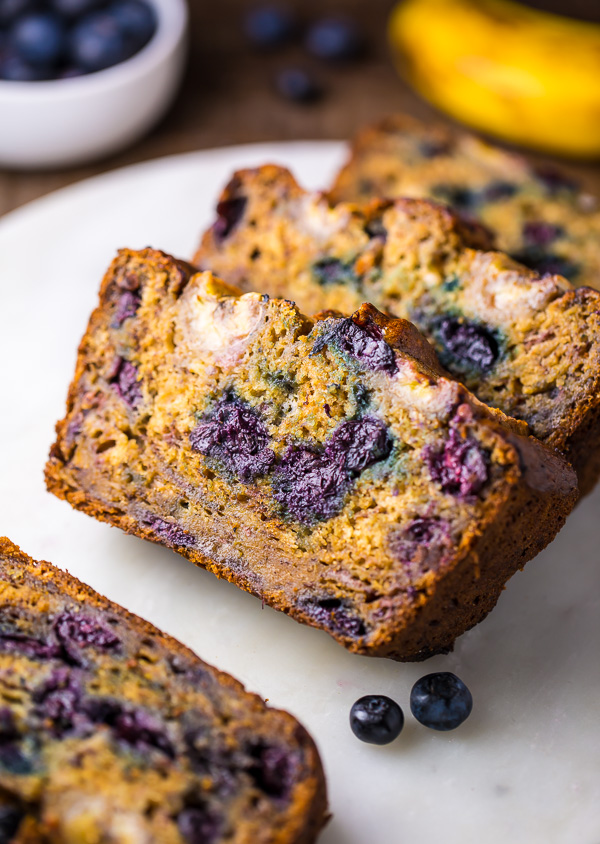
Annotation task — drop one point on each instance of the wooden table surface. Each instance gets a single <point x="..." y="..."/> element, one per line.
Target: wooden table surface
<point x="228" y="97"/>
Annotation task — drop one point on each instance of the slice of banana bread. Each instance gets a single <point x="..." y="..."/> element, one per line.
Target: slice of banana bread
<point x="527" y="344"/>
<point x="113" y="731"/>
<point x="328" y="466"/>
<point x="538" y="215"/>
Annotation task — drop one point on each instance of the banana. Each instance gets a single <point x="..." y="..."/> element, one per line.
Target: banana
<point x="527" y="76"/>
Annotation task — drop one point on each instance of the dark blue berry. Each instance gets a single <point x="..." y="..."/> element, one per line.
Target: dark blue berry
<point x="126" y="383"/>
<point x="334" y="271"/>
<point x="136" y="20"/>
<point x="334" y="39"/>
<point x="75" y="8"/>
<point x="310" y="483"/>
<point x="168" y="532"/>
<point x="127" y="306"/>
<point x="498" y="190"/>
<point x="272" y="769"/>
<point x="540" y="233"/>
<point x="376" y="719"/>
<point x="10" y="10"/>
<point x="14" y="69"/>
<point x="39" y="39"/>
<point x="235" y="436"/>
<point x="363" y="341"/>
<point x="229" y="213"/>
<point x="466" y="344"/>
<point x="457" y="196"/>
<point x="360" y="443"/>
<point x="441" y="701"/>
<point x="555" y="180"/>
<point x="298" y="85"/>
<point x="270" y="26"/>
<point x="75" y="631"/>
<point x="97" y="42"/>
<point x="460" y="466"/>
<point x="198" y="825"/>
<point x="333" y="614"/>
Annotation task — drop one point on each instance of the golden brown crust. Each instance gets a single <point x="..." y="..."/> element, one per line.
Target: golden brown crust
<point x="306" y="813"/>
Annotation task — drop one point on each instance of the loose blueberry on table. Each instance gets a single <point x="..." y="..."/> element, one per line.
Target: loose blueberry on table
<point x="59" y="39"/>
<point x="376" y="719"/>
<point x="441" y="701"/>
<point x="268" y="27"/>
<point x="334" y="39"/>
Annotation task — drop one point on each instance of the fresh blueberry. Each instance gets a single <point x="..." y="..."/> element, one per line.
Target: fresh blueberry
<point x="376" y="719"/>
<point x="75" y="8"/>
<point x="14" y="69"/>
<point x="334" y="39"/>
<point x="298" y="85"/>
<point x="270" y="26"/>
<point x="10" y="10"/>
<point x="441" y="701"/>
<point x="136" y="20"/>
<point x="39" y="39"/>
<point x="97" y="42"/>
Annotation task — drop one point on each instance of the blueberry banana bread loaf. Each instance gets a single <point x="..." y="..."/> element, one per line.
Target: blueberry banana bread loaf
<point x="327" y="466"/>
<point x="111" y="731"/>
<point x="538" y="215"/>
<point x="526" y="344"/>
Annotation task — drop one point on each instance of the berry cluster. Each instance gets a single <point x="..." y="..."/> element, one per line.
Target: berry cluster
<point x="332" y="39"/>
<point x="439" y="701"/>
<point x="60" y="39"/>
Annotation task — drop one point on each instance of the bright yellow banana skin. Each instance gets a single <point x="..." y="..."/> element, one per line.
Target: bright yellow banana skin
<point x="526" y="76"/>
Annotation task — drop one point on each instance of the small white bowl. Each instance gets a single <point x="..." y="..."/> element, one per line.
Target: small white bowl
<point x="65" y="122"/>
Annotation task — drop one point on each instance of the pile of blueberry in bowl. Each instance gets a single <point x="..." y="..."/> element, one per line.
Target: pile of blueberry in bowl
<point x="81" y="79"/>
<point x="57" y="39"/>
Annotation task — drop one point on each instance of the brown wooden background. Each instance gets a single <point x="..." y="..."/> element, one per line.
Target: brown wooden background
<point x="228" y="96"/>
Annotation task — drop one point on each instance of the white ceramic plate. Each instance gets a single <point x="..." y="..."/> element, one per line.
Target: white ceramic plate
<point x="524" y="769"/>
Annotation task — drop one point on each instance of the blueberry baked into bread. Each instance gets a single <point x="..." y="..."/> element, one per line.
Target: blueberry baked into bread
<point x="327" y="466"/>
<point x="112" y="731"/>
<point x="538" y="215"/>
<point x="524" y="343"/>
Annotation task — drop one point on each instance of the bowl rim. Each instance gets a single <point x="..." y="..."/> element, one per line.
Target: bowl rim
<point x="171" y="29"/>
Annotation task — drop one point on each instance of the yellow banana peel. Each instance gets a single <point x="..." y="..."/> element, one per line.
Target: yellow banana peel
<point x="526" y="76"/>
